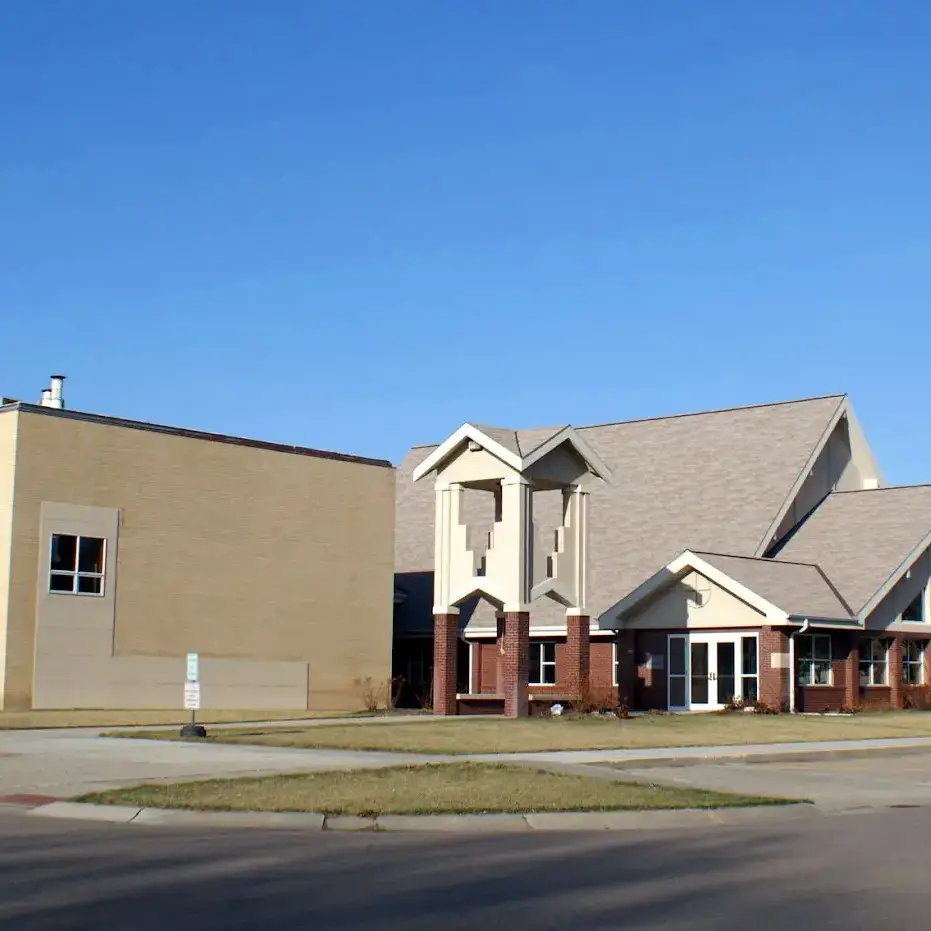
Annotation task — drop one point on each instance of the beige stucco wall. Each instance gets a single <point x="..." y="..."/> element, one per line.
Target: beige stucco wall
<point x="244" y="555"/>
<point x="8" y="424"/>
<point x="680" y="606"/>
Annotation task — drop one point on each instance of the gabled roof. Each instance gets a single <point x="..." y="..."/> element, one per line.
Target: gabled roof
<point x="864" y="540"/>
<point x="801" y="589"/>
<point x="779" y="591"/>
<point x="503" y="443"/>
<point x="719" y="481"/>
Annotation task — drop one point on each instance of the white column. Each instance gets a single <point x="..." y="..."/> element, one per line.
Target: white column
<point x="448" y="507"/>
<point x="580" y="497"/>
<point x="517" y="525"/>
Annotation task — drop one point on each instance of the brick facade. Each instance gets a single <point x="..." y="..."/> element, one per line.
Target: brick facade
<point x="577" y="655"/>
<point x="642" y="658"/>
<point x="445" y="651"/>
<point x="515" y="661"/>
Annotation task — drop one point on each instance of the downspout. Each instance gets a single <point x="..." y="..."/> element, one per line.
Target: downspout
<point x="802" y="630"/>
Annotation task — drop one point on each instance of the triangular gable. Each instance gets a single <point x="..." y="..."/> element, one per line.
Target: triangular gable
<point x="680" y="567"/>
<point x="495" y="442"/>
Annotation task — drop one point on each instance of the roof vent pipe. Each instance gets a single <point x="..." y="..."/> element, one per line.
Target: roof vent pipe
<point x="52" y="396"/>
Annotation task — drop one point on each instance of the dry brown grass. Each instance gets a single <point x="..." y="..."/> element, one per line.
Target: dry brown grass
<point x="433" y="789"/>
<point x="10" y="720"/>
<point x="502" y="735"/>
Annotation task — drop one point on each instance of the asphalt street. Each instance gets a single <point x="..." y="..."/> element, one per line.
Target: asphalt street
<point x="857" y="872"/>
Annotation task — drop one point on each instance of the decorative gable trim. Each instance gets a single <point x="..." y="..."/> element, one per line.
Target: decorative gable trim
<point x="842" y="409"/>
<point x="680" y="567"/>
<point x="466" y="432"/>
<point x="894" y="579"/>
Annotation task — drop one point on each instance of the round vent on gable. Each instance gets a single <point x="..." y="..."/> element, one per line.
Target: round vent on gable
<point x="702" y="589"/>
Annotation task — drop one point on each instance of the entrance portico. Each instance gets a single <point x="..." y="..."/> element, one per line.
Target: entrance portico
<point x="515" y="568"/>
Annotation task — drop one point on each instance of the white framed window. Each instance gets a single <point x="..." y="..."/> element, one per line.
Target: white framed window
<point x="77" y="564"/>
<point x="913" y="662"/>
<point x="874" y="662"/>
<point x="543" y="662"/>
<point x="813" y="659"/>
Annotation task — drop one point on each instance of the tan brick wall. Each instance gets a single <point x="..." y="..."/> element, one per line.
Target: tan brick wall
<point x="228" y="550"/>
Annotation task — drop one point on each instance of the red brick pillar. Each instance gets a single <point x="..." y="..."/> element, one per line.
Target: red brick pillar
<point x="852" y="673"/>
<point x="578" y="654"/>
<point x="516" y="663"/>
<point x="895" y="673"/>
<point x="774" y="668"/>
<point x="445" y="641"/>
<point x="499" y="657"/>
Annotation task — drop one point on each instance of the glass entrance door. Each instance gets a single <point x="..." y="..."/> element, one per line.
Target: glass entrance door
<point x="707" y="670"/>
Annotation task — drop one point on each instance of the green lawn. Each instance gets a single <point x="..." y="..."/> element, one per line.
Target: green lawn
<point x="433" y="789"/>
<point x="501" y="735"/>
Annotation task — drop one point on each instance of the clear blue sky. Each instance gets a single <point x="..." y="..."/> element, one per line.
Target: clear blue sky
<point x="357" y="224"/>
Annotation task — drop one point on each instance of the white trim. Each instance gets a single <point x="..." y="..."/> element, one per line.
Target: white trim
<point x="895" y="578"/>
<point x="520" y="464"/>
<point x="440" y="609"/>
<point x="542" y="631"/>
<point x="614" y="679"/>
<point x="569" y="435"/>
<point x="472" y="647"/>
<point x="466" y="432"/>
<point x="802" y="477"/>
<point x="680" y="567"/>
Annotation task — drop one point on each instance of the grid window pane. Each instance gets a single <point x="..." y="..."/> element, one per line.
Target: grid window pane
<point x="61" y="583"/>
<point x="90" y="584"/>
<point x="913" y="662"/>
<point x="77" y="564"/>
<point x="748" y="655"/>
<point x="676" y="656"/>
<point x="90" y="555"/>
<point x="64" y="552"/>
<point x="813" y="659"/>
<point x="543" y="663"/>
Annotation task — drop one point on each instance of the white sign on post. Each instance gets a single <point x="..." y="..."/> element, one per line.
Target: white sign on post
<point x="191" y="696"/>
<point x="192" y="664"/>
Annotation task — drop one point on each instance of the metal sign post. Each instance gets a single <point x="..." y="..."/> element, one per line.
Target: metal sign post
<point x="192" y="697"/>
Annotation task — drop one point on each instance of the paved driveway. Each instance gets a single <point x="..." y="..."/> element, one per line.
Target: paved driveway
<point x="878" y="781"/>
<point x="62" y="763"/>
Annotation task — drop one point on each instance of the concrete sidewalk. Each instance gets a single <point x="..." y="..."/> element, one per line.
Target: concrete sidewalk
<point x="771" y="752"/>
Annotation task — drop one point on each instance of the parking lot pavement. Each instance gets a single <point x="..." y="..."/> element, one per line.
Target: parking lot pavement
<point x="839" y="784"/>
<point x="62" y="763"/>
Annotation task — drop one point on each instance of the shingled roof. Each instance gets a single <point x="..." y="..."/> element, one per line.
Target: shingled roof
<point x="713" y="481"/>
<point x="800" y="589"/>
<point x="860" y="538"/>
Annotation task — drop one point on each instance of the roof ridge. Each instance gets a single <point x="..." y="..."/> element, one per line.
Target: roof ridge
<point x="716" y="410"/>
<point x="857" y="491"/>
<point x="767" y="559"/>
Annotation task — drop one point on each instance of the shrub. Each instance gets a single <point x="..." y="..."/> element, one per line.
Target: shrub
<point x="379" y="695"/>
<point x="596" y="702"/>
<point x="918" y="698"/>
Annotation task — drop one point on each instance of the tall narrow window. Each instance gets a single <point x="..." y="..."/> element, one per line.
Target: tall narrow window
<point x="915" y="612"/>
<point x="913" y="661"/>
<point x="813" y="658"/>
<point x="543" y="663"/>
<point x="76" y="565"/>
<point x="874" y="662"/>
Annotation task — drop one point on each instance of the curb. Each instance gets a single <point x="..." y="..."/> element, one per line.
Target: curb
<point x="490" y="823"/>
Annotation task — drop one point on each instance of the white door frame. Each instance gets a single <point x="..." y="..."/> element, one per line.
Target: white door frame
<point x="712" y="638"/>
